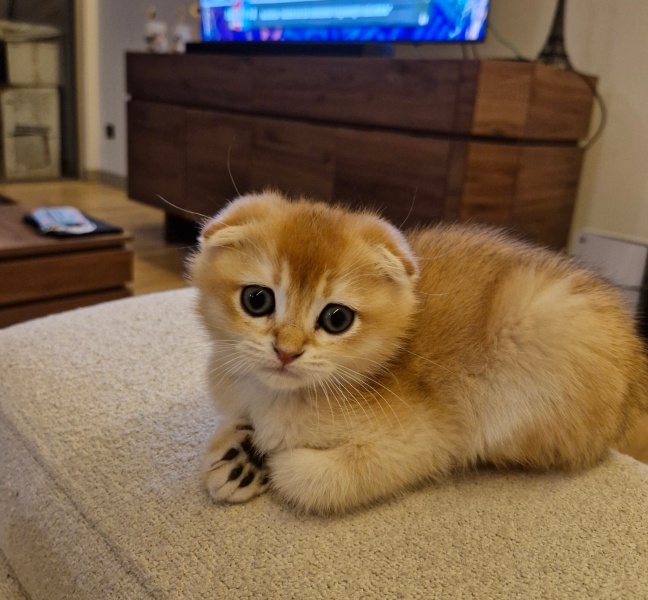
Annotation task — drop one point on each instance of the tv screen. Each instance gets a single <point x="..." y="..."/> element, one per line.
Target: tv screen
<point x="326" y="21"/>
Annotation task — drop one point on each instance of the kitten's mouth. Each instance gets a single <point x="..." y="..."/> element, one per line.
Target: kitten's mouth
<point x="281" y="378"/>
<point x="281" y="372"/>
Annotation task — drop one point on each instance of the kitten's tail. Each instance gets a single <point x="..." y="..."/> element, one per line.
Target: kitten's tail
<point x="635" y="440"/>
<point x="642" y="391"/>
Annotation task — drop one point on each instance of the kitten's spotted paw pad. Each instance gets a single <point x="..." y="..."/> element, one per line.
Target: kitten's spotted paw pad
<point x="233" y="470"/>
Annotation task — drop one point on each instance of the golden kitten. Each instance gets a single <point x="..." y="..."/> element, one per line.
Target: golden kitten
<point x="353" y="362"/>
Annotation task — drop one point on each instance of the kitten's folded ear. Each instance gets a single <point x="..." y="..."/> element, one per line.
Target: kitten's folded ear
<point x="228" y="226"/>
<point x="218" y="232"/>
<point x="395" y="257"/>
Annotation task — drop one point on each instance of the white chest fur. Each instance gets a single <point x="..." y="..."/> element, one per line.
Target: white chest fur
<point x="287" y="419"/>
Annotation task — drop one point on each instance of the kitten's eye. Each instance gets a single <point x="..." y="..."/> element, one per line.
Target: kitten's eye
<point x="257" y="300"/>
<point x="336" y="318"/>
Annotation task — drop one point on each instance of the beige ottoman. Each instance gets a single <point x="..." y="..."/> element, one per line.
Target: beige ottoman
<point x="104" y="416"/>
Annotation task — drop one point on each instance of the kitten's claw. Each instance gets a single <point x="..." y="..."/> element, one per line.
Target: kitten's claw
<point x="233" y="470"/>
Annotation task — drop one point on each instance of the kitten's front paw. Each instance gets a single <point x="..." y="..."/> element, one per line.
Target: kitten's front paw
<point x="233" y="470"/>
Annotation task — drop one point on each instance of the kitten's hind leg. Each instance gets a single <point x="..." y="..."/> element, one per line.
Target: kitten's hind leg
<point x="233" y="471"/>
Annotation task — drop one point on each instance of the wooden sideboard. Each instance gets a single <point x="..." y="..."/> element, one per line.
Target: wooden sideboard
<point x="487" y="141"/>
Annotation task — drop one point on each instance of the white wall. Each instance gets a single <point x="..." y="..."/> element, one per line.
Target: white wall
<point x="606" y="38"/>
<point x="88" y="89"/>
<point x="108" y="29"/>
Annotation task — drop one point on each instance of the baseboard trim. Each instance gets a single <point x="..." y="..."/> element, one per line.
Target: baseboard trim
<point x="111" y="179"/>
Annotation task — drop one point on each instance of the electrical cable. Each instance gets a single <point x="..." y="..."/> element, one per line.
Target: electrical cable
<point x="502" y="40"/>
<point x="603" y="112"/>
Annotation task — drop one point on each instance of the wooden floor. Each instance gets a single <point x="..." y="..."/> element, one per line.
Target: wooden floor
<point x="158" y="265"/>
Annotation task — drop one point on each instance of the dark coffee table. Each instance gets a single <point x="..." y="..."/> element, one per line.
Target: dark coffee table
<point x="40" y="275"/>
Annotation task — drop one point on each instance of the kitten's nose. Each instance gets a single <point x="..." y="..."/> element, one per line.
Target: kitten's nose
<point x="286" y="356"/>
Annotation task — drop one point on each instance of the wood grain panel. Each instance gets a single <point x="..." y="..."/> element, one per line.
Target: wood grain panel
<point x="420" y="95"/>
<point x="466" y="96"/>
<point x="455" y="175"/>
<point x="531" y="101"/>
<point x="44" y="277"/>
<point x="560" y="105"/>
<point x="399" y="175"/>
<point x="296" y="158"/>
<point x="547" y="185"/>
<point x="489" y="183"/>
<point x="191" y="80"/>
<point x="156" y="153"/>
<point x="502" y="98"/>
<point x="509" y="98"/>
<point x="381" y="92"/>
<point x="442" y="137"/>
<point x="218" y="164"/>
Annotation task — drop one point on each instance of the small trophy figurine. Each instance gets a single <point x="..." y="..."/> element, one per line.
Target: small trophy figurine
<point x="155" y="33"/>
<point x="181" y="31"/>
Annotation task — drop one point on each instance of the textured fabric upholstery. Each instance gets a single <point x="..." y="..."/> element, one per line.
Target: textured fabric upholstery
<point x="104" y="415"/>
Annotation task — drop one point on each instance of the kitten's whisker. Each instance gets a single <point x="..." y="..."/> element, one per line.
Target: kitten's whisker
<point x="411" y="207"/>
<point x="227" y="348"/>
<point x="359" y="264"/>
<point x="351" y="395"/>
<point x="244" y="365"/>
<point x="381" y="370"/>
<point x="310" y="397"/>
<point x="361" y="381"/>
<point x="249" y="241"/>
<point x="233" y="372"/>
<point x="429" y="294"/>
<point x="220" y="363"/>
<point x="345" y="405"/>
<point x="349" y="268"/>
<point x="381" y="366"/>
<point x="218" y="353"/>
<point x="221" y="368"/>
<point x="421" y="357"/>
<point x="190" y="212"/>
<point x="335" y="392"/>
<point x="229" y="166"/>
<point x="228" y="357"/>
<point x="367" y="389"/>
<point x="364" y="389"/>
<point x="358" y="278"/>
<point x="378" y="383"/>
<point x="243" y="253"/>
<point x="327" y="398"/>
<point x="333" y="395"/>
<point x="436" y="257"/>
<point x="247" y="369"/>
<point x="195" y="246"/>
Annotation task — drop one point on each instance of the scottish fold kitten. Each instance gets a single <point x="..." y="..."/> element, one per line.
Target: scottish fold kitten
<point x="353" y="362"/>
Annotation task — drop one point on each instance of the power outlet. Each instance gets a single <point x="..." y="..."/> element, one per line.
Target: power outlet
<point x="110" y="131"/>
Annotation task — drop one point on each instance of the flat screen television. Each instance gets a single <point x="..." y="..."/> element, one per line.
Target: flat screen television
<point x="347" y="21"/>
